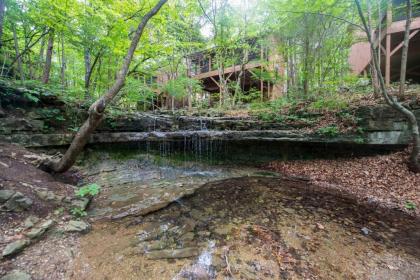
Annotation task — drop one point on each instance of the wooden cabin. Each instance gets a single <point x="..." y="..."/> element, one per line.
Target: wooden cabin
<point x="262" y="56"/>
<point x="389" y="37"/>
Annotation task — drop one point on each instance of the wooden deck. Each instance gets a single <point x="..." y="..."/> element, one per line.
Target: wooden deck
<point x="390" y="45"/>
<point x="228" y="70"/>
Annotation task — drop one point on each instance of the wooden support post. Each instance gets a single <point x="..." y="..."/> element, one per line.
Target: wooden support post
<point x="209" y="63"/>
<point x="388" y="45"/>
<point x="400" y="45"/>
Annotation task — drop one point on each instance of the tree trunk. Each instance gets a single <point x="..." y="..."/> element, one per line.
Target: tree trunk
<point x="41" y="57"/>
<point x="238" y="87"/>
<point x="404" y="54"/>
<point x="63" y="64"/>
<point x="373" y="74"/>
<point x="87" y="73"/>
<point x="96" y="110"/>
<point x="19" y="58"/>
<point x="306" y="54"/>
<point x="48" y="59"/>
<point x="2" y="10"/>
<point x="190" y="93"/>
<point x="392" y="101"/>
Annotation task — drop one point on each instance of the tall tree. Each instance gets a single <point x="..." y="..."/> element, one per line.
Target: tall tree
<point x="391" y="100"/>
<point x="2" y="10"/>
<point x="19" y="58"/>
<point x="48" y="58"/>
<point x="97" y="109"/>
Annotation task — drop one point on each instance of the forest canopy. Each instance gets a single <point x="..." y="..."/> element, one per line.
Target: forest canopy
<point x="76" y="47"/>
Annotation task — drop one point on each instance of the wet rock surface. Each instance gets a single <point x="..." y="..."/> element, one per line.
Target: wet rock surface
<point x="168" y="241"/>
<point x="256" y="228"/>
<point x="234" y="225"/>
<point x="143" y="184"/>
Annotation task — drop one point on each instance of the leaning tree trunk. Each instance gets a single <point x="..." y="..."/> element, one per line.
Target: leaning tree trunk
<point x="96" y="110"/>
<point x="48" y="59"/>
<point x="392" y="101"/>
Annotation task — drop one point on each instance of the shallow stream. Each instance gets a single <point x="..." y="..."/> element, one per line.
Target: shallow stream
<point x="161" y="218"/>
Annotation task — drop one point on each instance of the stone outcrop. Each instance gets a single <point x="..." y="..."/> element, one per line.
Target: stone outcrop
<point x="372" y="137"/>
<point x="379" y="125"/>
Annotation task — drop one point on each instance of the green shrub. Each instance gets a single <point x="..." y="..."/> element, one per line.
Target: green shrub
<point x="329" y="104"/>
<point x="409" y="205"/>
<point x="88" y="190"/>
<point x="78" y="212"/>
<point x="329" y="131"/>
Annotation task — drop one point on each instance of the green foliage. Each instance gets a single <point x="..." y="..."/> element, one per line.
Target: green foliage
<point x="179" y="87"/>
<point x="98" y="33"/>
<point x="360" y="140"/>
<point x="51" y="113"/>
<point x="88" y="190"/>
<point x="31" y="96"/>
<point x="328" y="104"/>
<point x="329" y="131"/>
<point x="409" y="205"/>
<point x="270" y="117"/>
<point x="78" y="212"/>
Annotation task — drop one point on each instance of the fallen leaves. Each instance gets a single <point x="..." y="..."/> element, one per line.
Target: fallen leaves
<point x="383" y="178"/>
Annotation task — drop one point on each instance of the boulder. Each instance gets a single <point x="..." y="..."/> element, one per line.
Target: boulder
<point x="15" y="247"/>
<point x="77" y="226"/>
<point x="81" y="203"/>
<point x="17" y="202"/>
<point x="30" y="222"/>
<point x="47" y="195"/>
<point x="6" y="195"/>
<point x="39" y="231"/>
<point x="16" y="275"/>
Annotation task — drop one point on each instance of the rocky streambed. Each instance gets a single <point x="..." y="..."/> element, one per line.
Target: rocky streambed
<point x="162" y="215"/>
<point x="160" y="219"/>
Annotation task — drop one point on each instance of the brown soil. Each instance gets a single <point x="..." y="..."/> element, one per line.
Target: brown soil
<point x="18" y="172"/>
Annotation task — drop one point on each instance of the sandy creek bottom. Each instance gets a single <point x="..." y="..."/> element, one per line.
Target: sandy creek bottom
<point x="236" y="224"/>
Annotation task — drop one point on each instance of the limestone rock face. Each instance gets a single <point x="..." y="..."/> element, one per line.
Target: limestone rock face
<point x="378" y="123"/>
